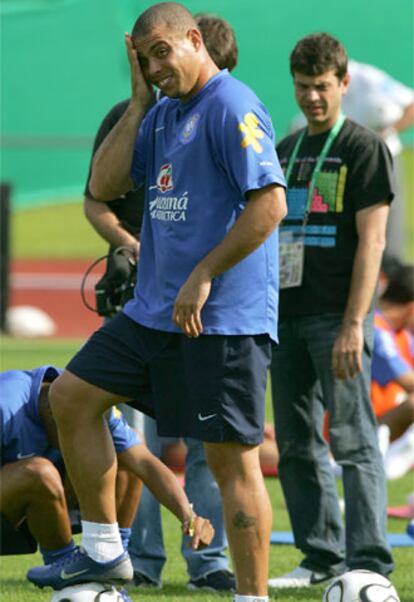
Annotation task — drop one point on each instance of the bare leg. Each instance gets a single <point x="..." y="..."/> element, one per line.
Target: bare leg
<point x="33" y="489"/>
<point x="247" y="512"/>
<point x="128" y="494"/>
<point x="86" y="444"/>
<point x="268" y="452"/>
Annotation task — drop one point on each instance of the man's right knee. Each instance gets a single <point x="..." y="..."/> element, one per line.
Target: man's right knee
<point x="232" y="461"/>
<point x="72" y="400"/>
<point x="61" y="399"/>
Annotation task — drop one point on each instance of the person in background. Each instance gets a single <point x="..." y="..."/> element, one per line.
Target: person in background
<point x="339" y="190"/>
<point x="195" y="342"/>
<point x="119" y="222"/>
<point x="379" y="102"/>
<point x="392" y="387"/>
<point x="390" y="266"/>
<point x="37" y="501"/>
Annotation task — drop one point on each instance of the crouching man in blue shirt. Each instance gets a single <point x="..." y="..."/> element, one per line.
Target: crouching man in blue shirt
<point x="36" y="496"/>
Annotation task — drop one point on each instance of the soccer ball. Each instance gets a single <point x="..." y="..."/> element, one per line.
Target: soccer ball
<point x="29" y="321"/>
<point x="360" y="586"/>
<point x="87" y="592"/>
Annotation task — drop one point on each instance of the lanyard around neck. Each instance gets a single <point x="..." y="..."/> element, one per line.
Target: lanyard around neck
<point x="322" y="156"/>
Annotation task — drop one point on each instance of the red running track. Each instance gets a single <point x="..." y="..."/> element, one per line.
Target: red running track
<point x="53" y="285"/>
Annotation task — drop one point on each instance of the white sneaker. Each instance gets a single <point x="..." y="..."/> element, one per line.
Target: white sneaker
<point x="299" y="577"/>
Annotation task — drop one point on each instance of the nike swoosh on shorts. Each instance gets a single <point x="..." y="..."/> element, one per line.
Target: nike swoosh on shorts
<point x="203" y="418"/>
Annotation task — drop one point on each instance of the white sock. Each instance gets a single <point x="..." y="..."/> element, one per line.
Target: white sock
<point x="240" y="598"/>
<point x="102" y="542"/>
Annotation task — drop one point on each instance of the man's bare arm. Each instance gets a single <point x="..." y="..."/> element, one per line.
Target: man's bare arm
<point x="110" y="177"/>
<point x="405" y="121"/>
<point x="164" y="485"/>
<point x="371" y="226"/>
<point x="264" y="211"/>
<point x="106" y="223"/>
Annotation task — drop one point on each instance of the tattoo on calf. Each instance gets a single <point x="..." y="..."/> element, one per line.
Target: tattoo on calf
<point x="243" y="521"/>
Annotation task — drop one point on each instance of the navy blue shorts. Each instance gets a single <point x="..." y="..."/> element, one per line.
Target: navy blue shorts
<point x="211" y="388"/>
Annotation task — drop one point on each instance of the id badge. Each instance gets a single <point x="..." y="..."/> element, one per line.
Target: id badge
<point x="291" y="258"/>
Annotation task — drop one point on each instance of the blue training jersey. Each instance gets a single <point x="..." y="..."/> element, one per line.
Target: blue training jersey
<point x="22" y="431"/>
<point x="388" y="362"/>
<point x="198" y="160"/>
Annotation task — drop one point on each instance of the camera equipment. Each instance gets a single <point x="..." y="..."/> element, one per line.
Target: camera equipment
<point x="116" y="286"/>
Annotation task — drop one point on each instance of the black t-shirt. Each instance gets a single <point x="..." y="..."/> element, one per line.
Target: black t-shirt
<point x="356" y="174"/>
<point x="129" y="208"/>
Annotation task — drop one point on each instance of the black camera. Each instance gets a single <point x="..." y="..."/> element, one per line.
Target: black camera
<point x="117" y="285"/>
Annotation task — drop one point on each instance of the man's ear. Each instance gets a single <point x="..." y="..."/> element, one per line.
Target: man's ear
<point x="345" y="82"/>
<point x="195" y="38"/>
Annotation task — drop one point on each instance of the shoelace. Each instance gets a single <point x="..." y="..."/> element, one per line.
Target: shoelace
<point x="76" y="554"/>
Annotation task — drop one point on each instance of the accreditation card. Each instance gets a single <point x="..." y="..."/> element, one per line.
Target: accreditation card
<point x="291" y="259"/>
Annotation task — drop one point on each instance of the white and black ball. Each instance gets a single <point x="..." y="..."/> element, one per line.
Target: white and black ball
<point x="87" y="592"/>
<point x="360" y="586"/>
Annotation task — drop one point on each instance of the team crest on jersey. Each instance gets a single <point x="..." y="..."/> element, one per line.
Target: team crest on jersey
<point x="164" y="179"/>
<point x="190" y="128"/>
<point x="252" y="133"/>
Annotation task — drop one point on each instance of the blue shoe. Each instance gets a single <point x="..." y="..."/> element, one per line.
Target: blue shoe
<point x="78" y="567"/>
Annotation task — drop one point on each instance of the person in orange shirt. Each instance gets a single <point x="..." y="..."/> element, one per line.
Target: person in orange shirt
<point x="392" y="389"/>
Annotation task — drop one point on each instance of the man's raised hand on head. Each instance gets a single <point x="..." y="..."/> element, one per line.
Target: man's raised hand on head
<point x="142" y="92"/>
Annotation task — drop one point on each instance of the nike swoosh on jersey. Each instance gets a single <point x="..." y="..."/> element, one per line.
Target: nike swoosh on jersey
<point x="202" y="418"/>
<point x="21" y="456"/>
<point x="65" y="576"/>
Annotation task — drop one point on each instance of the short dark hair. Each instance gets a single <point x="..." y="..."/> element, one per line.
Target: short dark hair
<point x="317" y="53"/>
<point x="400" y="289"/>
<point x="219" y="39"/>
<point x="390" y="265"/>
<point x="171" y="14"/>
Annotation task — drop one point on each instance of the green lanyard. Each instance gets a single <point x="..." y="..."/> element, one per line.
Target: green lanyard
<point x="326" y="147"/>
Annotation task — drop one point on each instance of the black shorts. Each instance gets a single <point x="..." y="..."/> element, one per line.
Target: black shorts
<point x="211" y="388"/>
<point x="15" y="541"/>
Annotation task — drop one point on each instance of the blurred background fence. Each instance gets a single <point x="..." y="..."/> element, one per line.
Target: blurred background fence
<point x="63" y="65"/>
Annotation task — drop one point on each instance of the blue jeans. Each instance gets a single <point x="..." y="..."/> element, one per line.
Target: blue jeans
<point x="147" y="545"/>
<point x="303" y="387"/>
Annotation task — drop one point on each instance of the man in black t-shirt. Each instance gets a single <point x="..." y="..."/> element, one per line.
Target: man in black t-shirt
<point x="331" y="243"/>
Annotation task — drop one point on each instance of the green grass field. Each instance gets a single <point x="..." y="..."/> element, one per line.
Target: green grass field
<point x="20" y="354"/>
